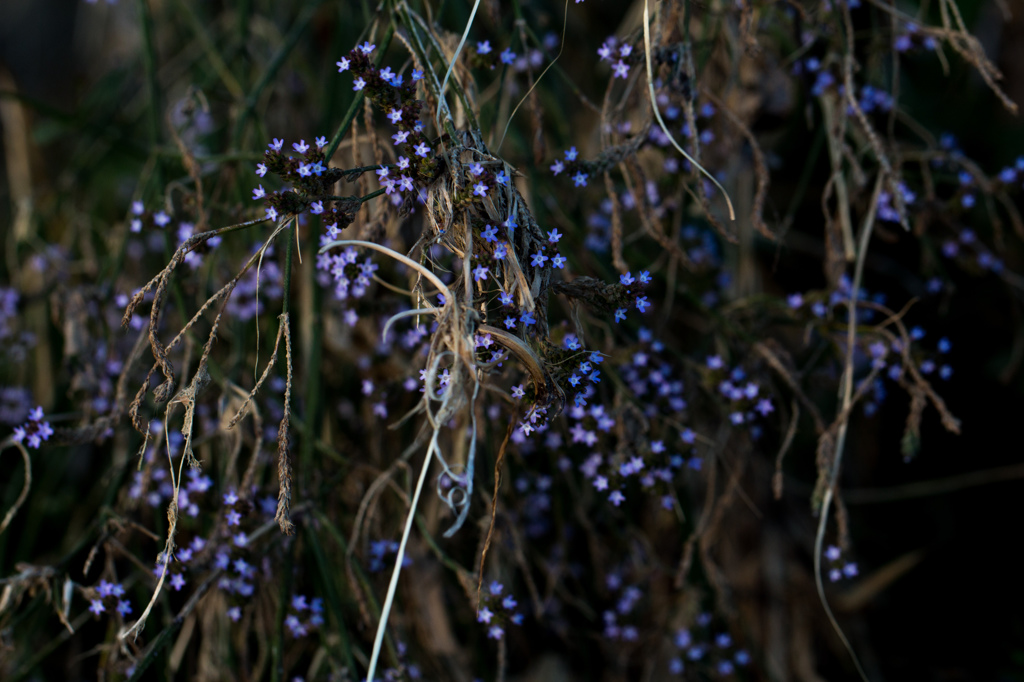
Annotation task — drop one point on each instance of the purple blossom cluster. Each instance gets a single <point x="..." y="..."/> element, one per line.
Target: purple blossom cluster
<point x="304" y="615"/>
<point x="395" y="96"/>
<point x="143" y="218"/>
<point x="707" y="652"/>
<point x="626" y="600"/>
<point x="486" y="56"/>
<point x="110" y="598"/>
<point x="912" y="37"/>
<point x="381" y="551"/>
<point x="619" y="55"/>
<point x="33" y="432"/>
<point x="497" y="609"/>
<point x="348" y="276"/>
<point x="837" y="567"/>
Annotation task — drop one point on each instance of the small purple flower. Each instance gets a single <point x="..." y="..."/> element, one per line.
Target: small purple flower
<point x="343" y="64"/>
<point x="96" y="606"/>
<point x="421" y="149"/>
<point x="557" y="167"/>
<point x="580" y="179"/>
<point x="480" y="189"/>
<point x="358" y="84"/>
<point x="400" y="137"/>
<point x="261" y="169"/>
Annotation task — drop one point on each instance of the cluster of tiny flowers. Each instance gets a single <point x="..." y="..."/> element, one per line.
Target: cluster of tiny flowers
<point x="255" y="288"/>
<point x="533" y="502"/>
<point x="33" y="432"/>
<point x="381" y="551"/>
<point x="872" y="100"/>
<point x="299" y="608"/>
<point x="819" y="77"/>
<point x="487" y="57"/>
<point x="839" y="568"/>
<point x="650" y="468"/>
<point x="886" y="211"/>
<point x="110" y="597"/>
<point x="964" y="196"/>
<point x="402" y="671"/>
<point x="188" y="495"/>
<point x="624" y="606"/>
<point x="820" y="304"/>
<point x="928" y="364"/>
<point x="619" y="56"/>
<point x="745" y="399"/>
<point x="238" y="575"/>
<point x="308" y="174"/>
<point x="143" y="218"/>
<point x="706" y="652"/>
<point x="497" y="610"/>
<point x="632" y="287"/>
<point x="912" y="38"/>
<point x="650" y="376"/>
<point x="579" y="178"/>
<point x="395" y="96"/>
<point x="970" y="253"/>
<point x="194" y="258"/>
<point x="344" y="273"/>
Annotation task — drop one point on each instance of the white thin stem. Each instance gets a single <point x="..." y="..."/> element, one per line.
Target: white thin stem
<point x="396" y="572"/>
<point x="661" y="122"/>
